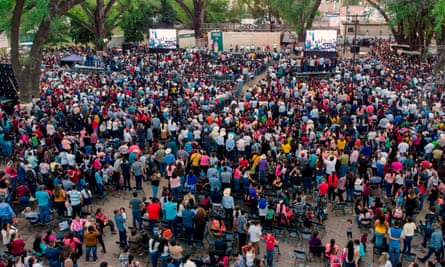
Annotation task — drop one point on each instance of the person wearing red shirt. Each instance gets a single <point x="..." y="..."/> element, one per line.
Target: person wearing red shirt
<point x="17" y="245"/>
<point x="323" y="188"/>
<point x="74" y="174"/>
<point x="153" y="211"/>
<point x="243" y="162"/>
<point x="332" y="184"/>
<point x="270" y="247"/>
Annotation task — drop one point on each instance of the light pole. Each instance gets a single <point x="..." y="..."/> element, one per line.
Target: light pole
<point x="354" y="43"/>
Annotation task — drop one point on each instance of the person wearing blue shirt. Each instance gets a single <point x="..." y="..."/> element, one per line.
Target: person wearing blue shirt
<point x="187" y="221"/>
<point x="121" y="227"/>
<point x="215" y="183"/>
<point x="43" y="202"/>
<point x="7" y="214"/>
<point x="169" y="158"/>
<point x="170" y="209"/>
<point x="135" y="205"/>
<point x="394" y="235"/>
<point x="435" y="245"/>
<point x="191" y="181"/>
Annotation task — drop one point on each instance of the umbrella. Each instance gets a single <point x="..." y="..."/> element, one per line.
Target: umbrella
<point x="396" y="166"/>
<point x="134" y="148"/>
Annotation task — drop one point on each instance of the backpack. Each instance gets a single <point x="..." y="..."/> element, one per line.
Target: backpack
<point x="262" y="204"/>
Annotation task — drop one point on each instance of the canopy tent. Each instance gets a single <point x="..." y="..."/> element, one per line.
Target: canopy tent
<point x="71" y="59"/>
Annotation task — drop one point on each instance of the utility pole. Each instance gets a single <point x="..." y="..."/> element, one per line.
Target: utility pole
<point x="354" y="43"/>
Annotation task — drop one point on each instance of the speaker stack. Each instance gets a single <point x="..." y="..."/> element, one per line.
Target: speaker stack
<point x="8" y="83"/>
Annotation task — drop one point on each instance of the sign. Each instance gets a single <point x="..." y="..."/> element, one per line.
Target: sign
<point x="186" y="35"/>
<point x="217" y="40"/>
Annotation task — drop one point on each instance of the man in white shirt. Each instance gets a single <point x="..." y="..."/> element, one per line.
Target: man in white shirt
<point x="255" y="233"/>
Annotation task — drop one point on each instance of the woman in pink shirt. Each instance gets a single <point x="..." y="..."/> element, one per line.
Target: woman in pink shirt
<point x="236" y="178"/>
<point x="77" y="227"/>
<point x="70" y="240"/>
<point x="204" y="161"/>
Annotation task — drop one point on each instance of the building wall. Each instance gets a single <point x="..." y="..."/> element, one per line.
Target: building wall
<point x="371" y="30"/>
<point x="186" y="38"/>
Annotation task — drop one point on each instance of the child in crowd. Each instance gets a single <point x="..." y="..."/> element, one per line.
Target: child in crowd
<point x="349" y="229"/>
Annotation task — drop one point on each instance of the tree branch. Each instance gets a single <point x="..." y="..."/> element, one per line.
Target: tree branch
<point x="109" y="6"/>
<point x="88" y="11"/>
<point x="185" y="8"/>
<point x="385" y="16"/>
<point x="15" y="32"/>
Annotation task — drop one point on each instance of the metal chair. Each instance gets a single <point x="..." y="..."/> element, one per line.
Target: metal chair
<point x="320" y="228"/>
<point x="299" y="255"/>
<point x="305" y="237"/>
<point x="317" y="251"/>
<point x="277" y="252"/>
<point x="339" y="207"/>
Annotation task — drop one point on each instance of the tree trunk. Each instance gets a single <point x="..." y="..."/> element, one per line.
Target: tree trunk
<point x="28" y="75"/>
<point x="398" y="35"/>
<point x="440" y="44"/>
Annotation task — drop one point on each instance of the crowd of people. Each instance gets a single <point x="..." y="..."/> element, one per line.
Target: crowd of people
<point x="372" y="134"/>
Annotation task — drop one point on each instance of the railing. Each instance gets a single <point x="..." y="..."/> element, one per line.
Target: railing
<point x="237" y="27"/>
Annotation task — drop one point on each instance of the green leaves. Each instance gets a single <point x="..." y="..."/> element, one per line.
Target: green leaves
<point x="136" y="21"/>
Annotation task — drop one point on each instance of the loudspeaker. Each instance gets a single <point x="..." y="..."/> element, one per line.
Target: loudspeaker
<point x="8" y="83"/>
<point x="355" y="49"/>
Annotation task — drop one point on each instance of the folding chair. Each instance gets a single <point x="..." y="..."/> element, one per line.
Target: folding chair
<point x="299" y="255"/>
<point x="339" y="207"/>
<point x="317" y="251"/>
<point x="305" y="237"/>
<point x="277" y="253"/>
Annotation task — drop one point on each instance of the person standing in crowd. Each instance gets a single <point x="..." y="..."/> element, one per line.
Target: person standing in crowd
<point x="270" y="247"/>
<point x="90" y="237"/>
<point x="75" y="199"/>
<point x="170" y="210"/>
<point x="255" y="235"/>
<point x="136" y="206"/>
<point x="155" y="180"/>
<point x="435" y="244"/>
<point x="395" y="239"/>
<point x="138" y="171"/>
<point x="409" y="229"/>
<point x="121" y="228"/>
<point x="43" y="199"/>
<point x="175" y="252"/>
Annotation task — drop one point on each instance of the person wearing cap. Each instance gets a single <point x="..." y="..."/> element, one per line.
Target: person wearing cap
<point x="435" y="245"/>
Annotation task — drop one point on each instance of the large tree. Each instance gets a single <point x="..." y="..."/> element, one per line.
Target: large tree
<point x="411" y="21"/>
<point x="439" y="29"/>
<point x="298" y="13"/>
<point x="195" y="13"/>
<point x="136" y="21"/>
<point x="38" y="15"/>
<point x="99" y="17"/>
